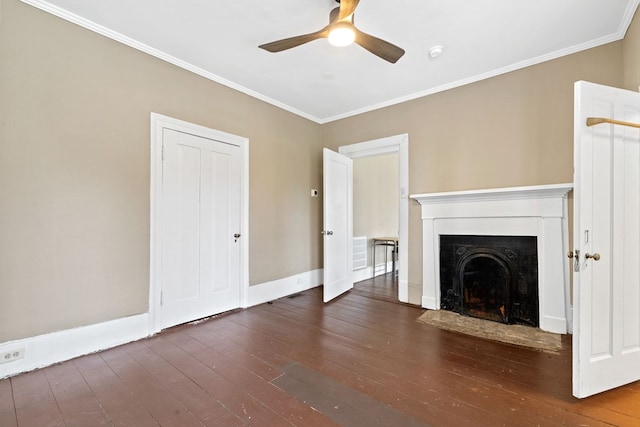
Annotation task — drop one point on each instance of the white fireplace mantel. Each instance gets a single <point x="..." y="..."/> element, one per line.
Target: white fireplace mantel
<point x="539" y="211"/>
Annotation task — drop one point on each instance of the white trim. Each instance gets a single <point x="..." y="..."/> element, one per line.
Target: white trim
<point x="102" y="30"/>
<point x="479" y="77"/>
<point x="269" y="291"/>
<point x="619" y="35"/>
<point x="392" y="144"/>
<point x="539" y="211"/>
<point x="367" y="273"/>
<point x="48" y="349"/>
<point x="443" y="204"/>
<point x="362" y="274"/>
<point x="45" y="350"/>
<point x="158" y="123"/>
<point x="90" y="25"/>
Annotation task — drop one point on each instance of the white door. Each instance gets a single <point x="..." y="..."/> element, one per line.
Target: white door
<point x="337" y="223"/>
<point x="201" y="215"/>
<point x="606" y="339"/>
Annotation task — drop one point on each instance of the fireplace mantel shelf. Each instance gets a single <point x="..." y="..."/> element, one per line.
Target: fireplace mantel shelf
<point x="509" y="193"/>
<point x="539" y="211"/>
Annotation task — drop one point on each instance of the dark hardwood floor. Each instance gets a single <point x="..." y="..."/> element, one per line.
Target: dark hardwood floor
<point x="361" y="360"/>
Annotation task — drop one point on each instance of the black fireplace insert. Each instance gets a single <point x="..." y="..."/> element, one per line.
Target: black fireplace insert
<point x="490" y="277"/>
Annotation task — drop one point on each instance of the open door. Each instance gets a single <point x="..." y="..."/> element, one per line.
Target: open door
<point x="606" y="337"/>
<point x="337" y="223"/>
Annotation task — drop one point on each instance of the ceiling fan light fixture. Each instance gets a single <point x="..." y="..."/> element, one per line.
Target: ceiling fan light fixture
<point x="342" y="34"/>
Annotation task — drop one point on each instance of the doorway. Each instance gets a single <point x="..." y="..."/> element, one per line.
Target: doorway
<point x="399" y="145"/>
<point x="375" y="218"/>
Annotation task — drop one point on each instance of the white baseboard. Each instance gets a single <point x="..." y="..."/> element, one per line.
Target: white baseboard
<point x="45" y="350"/>
<point x="430" y="303"/>
<point x="380" y="269"/>
<point x="361" y="274"/>
<point x="553" y="324"/>
<point x="269" y="291"/>
<point x="570" y="320"/>
<point x="367" y="273"/>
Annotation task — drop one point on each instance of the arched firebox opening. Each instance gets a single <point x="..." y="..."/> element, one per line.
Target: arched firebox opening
<point x="485" y="280"/>
<point x="490" y="277"/>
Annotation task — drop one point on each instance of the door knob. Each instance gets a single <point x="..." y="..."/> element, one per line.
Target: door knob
<point x="596" y="256"/>
<point x="327" y="233"/>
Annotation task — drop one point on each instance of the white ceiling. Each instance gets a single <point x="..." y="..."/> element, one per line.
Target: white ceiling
<point x="481" y="38"/>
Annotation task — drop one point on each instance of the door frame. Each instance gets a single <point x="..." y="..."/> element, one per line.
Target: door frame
<point x="389" y="145"/>
<point x="158" y="123"/>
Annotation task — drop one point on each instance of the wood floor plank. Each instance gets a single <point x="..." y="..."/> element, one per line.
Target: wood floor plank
<point x="251" y="375"/>
<point x="77" y="403"/>
<point x="365" y="345"/>
<point x="35" y="404"/>
<point x="231" y="395"/>
<point x="234" y="370"/>
<point x="510" y="410"/>
<point x="297" y="412"/>
<point x="356" y="355"/>
<point x="157" y="400"/>
<point x="7" y="407"/>
<point x="416" y="408"/>
<point x="118" y="401"/>
<point x="200" y="403"/>
<point x="343" y="404"/>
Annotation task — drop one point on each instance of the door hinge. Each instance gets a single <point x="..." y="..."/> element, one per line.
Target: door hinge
<point x="162" y="152"/>
<point x="161" y="297"/>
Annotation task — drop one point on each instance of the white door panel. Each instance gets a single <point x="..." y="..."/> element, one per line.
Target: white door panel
<point x="338" y="224"/>
<point x="200" y="256"/>
<point x="606" y="342"/>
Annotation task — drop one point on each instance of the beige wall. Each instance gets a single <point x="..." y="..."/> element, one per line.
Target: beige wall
<point x="74" y="173"/>
<point x="631" y="52"/>
<point x="74" y="160"/>
<point x="375" y="198"/>
<point x="511" y="130"/>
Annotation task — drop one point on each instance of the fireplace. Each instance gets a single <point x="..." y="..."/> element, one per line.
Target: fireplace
<point x="538" y="212"/>
<point x="490" y="277"/>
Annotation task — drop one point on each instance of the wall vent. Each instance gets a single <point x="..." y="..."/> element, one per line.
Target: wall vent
<point x="359" y="253"/>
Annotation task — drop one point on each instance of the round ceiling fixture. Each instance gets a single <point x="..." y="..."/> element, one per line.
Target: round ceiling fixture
<point x="435" y="51"/>
<point x="342" y="34"/>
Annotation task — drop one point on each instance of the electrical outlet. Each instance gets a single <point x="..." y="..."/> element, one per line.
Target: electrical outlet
<point x="11" y="356"/>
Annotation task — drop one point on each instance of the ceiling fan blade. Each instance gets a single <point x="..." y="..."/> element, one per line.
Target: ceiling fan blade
<point x="383" y="49"/>
<point x="347" y="7"/>
<point x="334" y="15"/>
<point x="288" y="43"/>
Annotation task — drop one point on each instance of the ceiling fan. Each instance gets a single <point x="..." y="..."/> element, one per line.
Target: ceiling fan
<point x="341" y="32"/>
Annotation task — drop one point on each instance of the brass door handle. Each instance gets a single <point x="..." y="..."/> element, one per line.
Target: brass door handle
<point x="596" y="256"/>
<point x="575" y="256"/>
